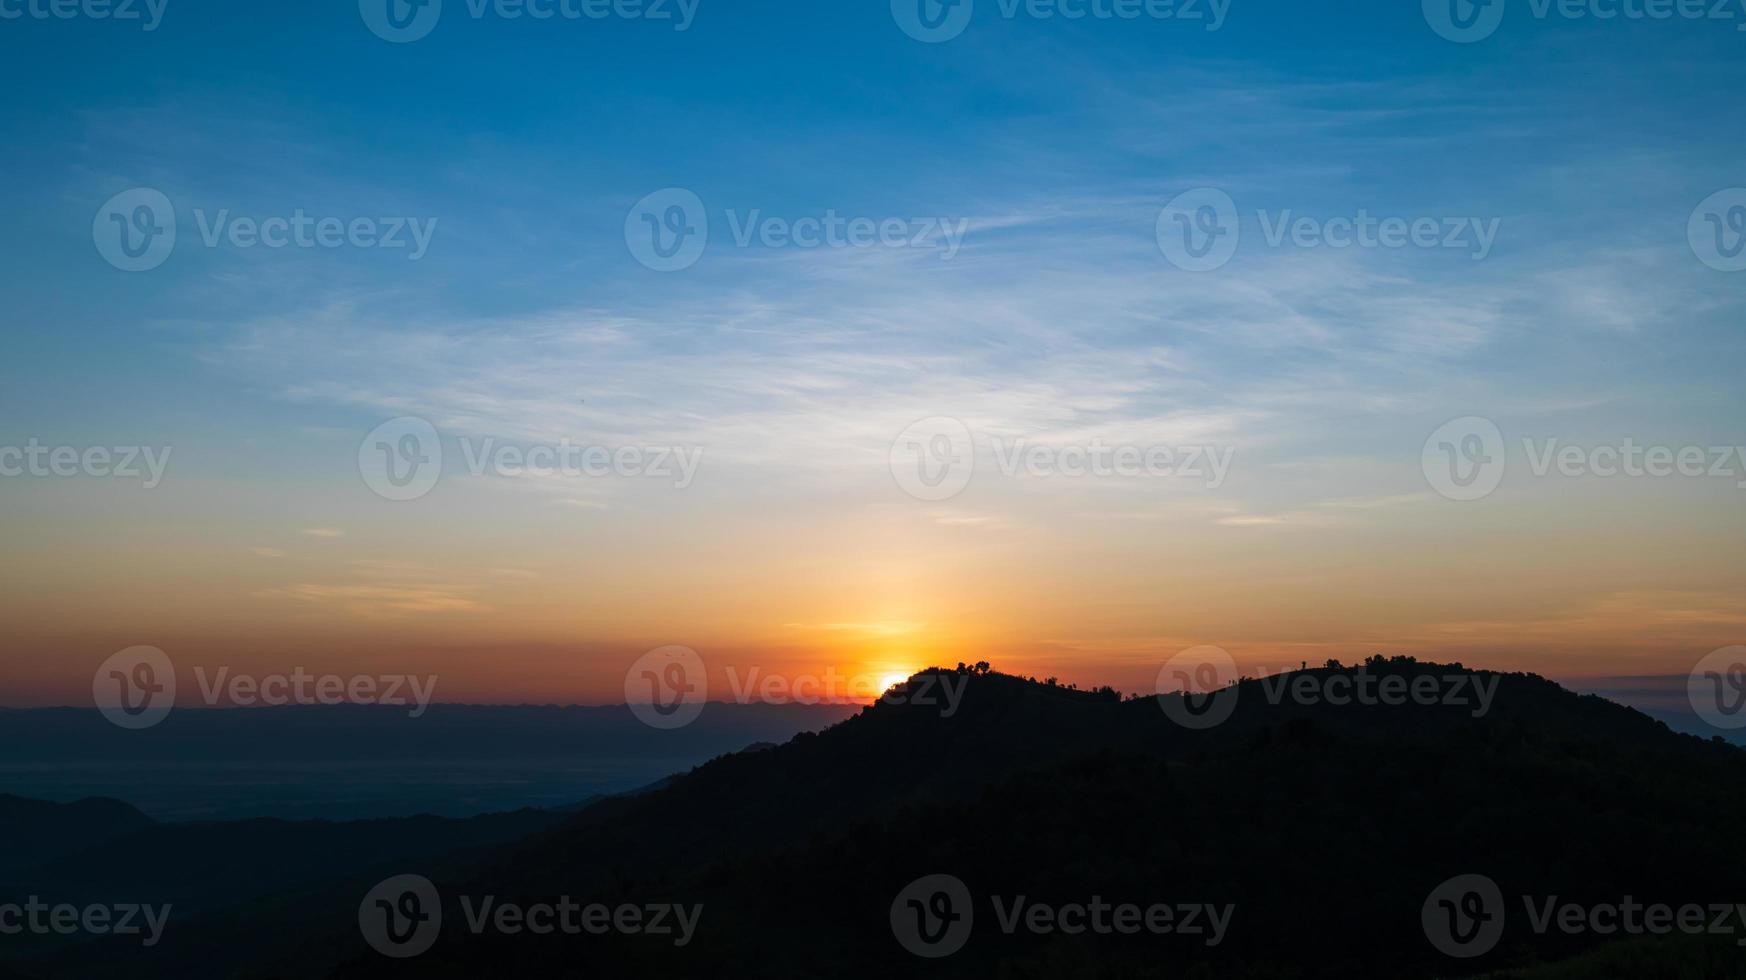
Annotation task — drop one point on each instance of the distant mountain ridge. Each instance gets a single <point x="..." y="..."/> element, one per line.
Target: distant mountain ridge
<point x="50" y="830"/>
<point x="348" y="762"/>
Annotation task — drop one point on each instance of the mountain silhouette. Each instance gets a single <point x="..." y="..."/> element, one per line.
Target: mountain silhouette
<point x="1323" y="827"/>
<point x="55" y="829"/>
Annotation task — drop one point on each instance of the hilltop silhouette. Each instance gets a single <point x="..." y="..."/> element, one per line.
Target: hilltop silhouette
<point x="1325" y="825"/>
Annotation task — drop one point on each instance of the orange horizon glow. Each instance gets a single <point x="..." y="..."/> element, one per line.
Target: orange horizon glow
<point x="595" y="676"/>
<point x="505" y="606"/>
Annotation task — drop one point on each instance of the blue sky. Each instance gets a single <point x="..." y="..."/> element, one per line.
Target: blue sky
<point x="1586" y="142"/>
<point x="529" y="140"/>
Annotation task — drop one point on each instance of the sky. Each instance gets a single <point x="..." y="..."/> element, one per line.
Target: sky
<point x="861" y="443"/>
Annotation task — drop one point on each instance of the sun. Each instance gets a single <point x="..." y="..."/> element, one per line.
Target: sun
<point x="890" y="681"/>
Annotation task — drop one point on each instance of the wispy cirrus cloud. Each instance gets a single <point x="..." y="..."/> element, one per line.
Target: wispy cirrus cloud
<point x="382" y="601"/>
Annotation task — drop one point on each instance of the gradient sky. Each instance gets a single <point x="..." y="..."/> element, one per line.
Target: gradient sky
<point x="1060" y="320"/>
